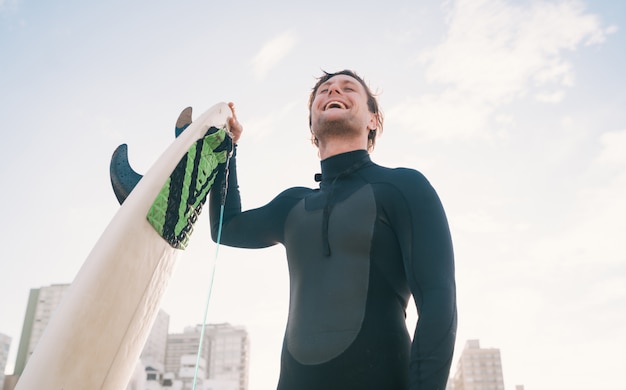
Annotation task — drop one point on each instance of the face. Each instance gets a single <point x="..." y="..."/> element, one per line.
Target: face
<point x="340" y="107"/>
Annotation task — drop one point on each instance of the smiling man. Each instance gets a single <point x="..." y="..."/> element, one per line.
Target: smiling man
<point x="357" y="247"/>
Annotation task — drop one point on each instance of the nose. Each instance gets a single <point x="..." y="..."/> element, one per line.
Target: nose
<point x="334" y="88"/>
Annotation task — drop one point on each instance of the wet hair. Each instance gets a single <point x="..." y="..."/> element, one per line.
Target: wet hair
<point x="372" y="105"/>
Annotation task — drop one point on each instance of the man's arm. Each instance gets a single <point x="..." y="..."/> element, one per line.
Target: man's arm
<point x="249" y="229"/>
<point x="257" y="228"/>
<point x="429" y="266"/>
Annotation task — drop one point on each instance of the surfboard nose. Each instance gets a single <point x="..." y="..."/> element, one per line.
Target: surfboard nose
<point x="123" y="176"/>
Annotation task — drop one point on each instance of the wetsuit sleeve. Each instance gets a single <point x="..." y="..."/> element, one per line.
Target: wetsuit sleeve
<point x="429" y="266"/>
<point x="225" y="192"/>
<point x="256" y="228"/>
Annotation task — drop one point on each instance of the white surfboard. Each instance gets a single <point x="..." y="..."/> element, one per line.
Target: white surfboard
<point x="95" y="337"/>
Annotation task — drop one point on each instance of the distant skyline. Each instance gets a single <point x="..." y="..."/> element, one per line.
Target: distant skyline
<point x="513" y="109"/>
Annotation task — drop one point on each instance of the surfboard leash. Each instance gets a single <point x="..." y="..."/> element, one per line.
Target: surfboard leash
<point x="223" y="192"/>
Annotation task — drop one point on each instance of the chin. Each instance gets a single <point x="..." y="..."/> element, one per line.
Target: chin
<point x="338" y="127"/>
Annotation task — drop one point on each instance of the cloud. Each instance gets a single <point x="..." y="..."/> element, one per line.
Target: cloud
<point x="272" y="52"/>
<point x="430" y="115"/>
<point x="496" y="51"/>
<point x="613" y="147"/>
<point x="268" y="124"/>
<point x="9" y="5"/>
<point x="550" y="97"/>
<point x="596" y="223"/>
<point x="478" y="222"/>
<point x="500" y="50"/>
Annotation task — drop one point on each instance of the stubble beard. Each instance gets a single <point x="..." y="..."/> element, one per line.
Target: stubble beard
<point x="338" y="128"/>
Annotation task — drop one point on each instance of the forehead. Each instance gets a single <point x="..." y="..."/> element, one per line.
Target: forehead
<point x="342" y="79"/>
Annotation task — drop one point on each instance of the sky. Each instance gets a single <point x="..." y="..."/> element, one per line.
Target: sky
<point x="513" y="109"/>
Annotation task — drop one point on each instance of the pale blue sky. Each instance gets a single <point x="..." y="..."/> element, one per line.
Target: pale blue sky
<point x="515" y="111"/>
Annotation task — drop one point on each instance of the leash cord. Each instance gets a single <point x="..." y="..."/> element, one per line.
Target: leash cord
<point x="224" y="189"/>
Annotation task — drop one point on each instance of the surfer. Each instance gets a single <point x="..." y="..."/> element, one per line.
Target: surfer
<point x="357" y="247"/>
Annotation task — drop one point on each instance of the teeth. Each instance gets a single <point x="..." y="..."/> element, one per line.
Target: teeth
<point x="334" y="104"/>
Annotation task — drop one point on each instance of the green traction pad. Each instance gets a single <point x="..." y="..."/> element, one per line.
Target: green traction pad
<point x="178" y="204"/>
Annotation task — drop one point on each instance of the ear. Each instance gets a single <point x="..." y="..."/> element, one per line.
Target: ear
<point x="372" y="124"/>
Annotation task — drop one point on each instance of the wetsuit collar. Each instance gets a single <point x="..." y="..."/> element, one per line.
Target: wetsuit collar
<point x="333" y="168"/>
<point x="337" y="164"/>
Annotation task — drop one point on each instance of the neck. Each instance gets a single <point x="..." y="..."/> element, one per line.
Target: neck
<point x="329" y="149"/>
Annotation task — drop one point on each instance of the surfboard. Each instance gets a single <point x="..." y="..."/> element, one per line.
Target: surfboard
<point x="95" y="337"/>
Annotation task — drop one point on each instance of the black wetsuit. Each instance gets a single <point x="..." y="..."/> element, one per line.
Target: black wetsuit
<point x="357" y="248"/>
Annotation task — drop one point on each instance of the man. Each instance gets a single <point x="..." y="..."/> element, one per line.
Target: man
<point x="357" y="248"/>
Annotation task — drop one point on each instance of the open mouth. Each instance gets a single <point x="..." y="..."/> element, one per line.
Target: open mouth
<point x="334" y="104"/>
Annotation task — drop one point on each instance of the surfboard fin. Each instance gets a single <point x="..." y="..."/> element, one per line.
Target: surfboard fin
<point x="123" y="177"/>
<point x="184" y="120"/>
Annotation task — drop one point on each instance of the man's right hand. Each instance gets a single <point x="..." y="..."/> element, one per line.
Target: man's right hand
<point x="234" y="126"/>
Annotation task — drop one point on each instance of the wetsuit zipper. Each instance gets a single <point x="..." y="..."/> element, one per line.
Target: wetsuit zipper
<point x="328" y="206"/>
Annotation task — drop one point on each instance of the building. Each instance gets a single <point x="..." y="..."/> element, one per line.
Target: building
<point x="478" y="368"/>
<point x="230" y="352"/>
<point x="167" y="360"/>
<point x="10" y="381"/>
<point x="41" y="304"/>
<point x="187" y="372"/>
<point x="5" y="345"/>
<point x="182" y="344"/>
<point x="224" y="357"/>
